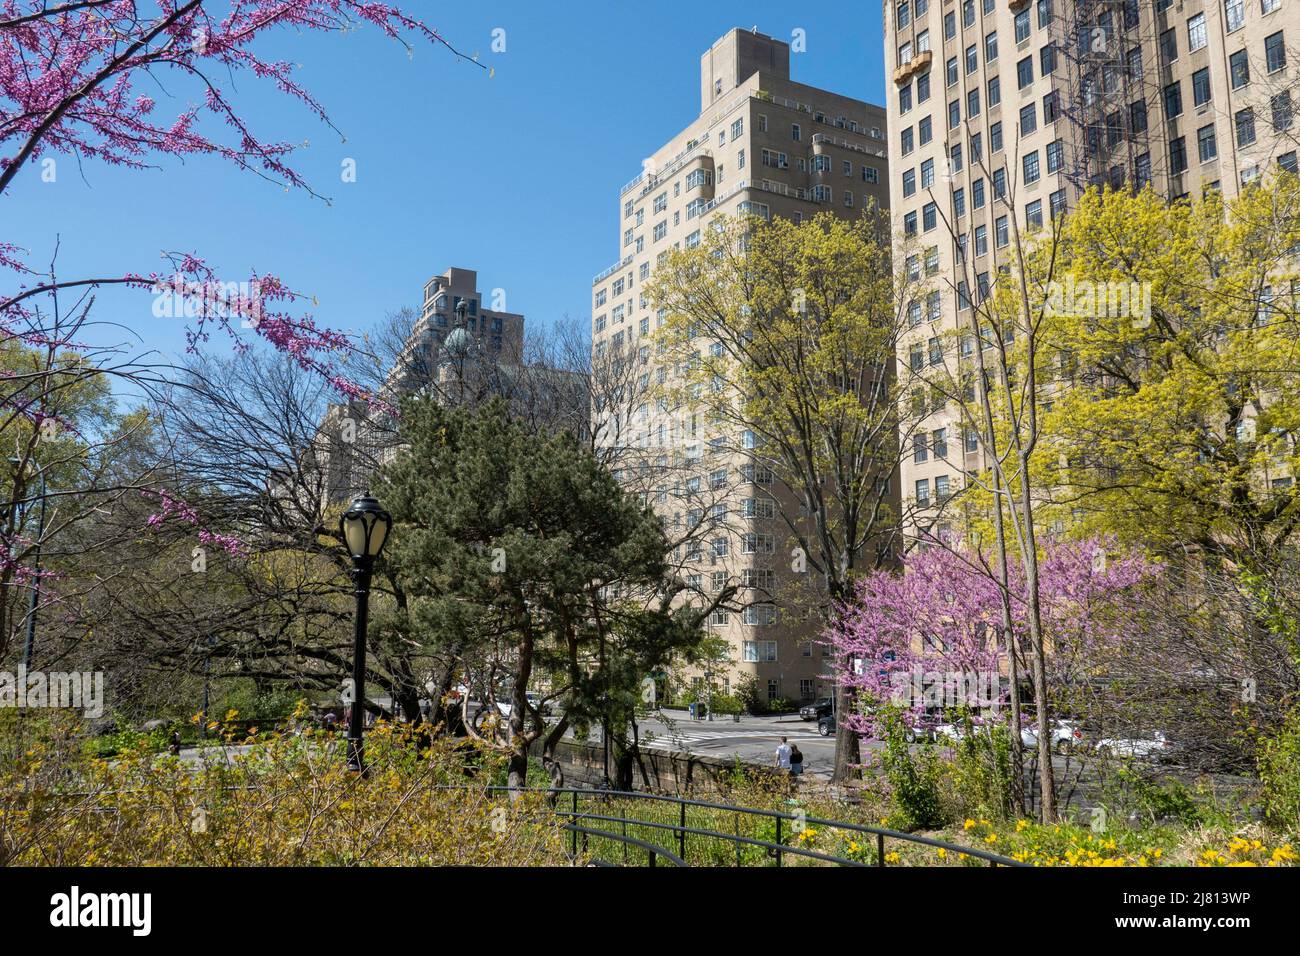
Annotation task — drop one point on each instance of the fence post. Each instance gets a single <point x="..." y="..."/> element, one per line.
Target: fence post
<point x="681" y="831"/>
<point x="574" y="821"/>
<point x="778" y="841"/>
<point x="880" y="849"/>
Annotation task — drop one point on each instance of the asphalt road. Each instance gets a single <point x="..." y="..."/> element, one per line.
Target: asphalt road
<point x="752" y="739"/>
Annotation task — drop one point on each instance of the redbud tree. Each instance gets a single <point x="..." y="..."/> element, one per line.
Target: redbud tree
<point x="942" y="615"/>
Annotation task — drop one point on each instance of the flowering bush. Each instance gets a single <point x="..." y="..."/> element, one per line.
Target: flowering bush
<point x="291" y="801"/>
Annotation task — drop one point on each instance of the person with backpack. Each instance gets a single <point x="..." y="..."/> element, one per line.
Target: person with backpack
<point x="796" y="760"/>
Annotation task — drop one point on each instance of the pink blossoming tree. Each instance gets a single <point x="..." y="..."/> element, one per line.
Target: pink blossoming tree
<point x="942" y="616"/>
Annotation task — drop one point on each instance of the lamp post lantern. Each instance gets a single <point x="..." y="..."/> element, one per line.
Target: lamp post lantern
<point x="364" y="527"/>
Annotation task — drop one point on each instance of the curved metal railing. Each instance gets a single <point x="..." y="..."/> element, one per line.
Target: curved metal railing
<point x="776" y="849"/>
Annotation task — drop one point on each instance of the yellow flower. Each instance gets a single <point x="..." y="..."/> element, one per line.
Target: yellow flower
<point x="891" y="857"/>
<point x="943" y="854"/>
<point x="1022" y="825"/>
<point x="968" y="825"/>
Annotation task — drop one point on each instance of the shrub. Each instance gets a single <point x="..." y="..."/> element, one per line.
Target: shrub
<point x="1279" y="773"/>
<point x="750" y="698"/>
<point x="982" y="773"/>
<point x="289" y="802"/>
<point x="915" y="778"/>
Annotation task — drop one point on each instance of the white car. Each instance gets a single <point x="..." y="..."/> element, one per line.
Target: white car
<point x="534" y="700"/>
<point x="957" y="732"/>
<point x="1149" y="748"/>
<point x="1064" y="736"/>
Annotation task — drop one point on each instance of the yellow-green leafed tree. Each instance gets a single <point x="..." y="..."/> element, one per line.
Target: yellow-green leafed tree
<point x="780" y="338"/>
<point x="1174" y="356"/>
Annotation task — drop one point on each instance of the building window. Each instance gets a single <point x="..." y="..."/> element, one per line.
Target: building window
<point x="1028" y="119"/>
<point x="1031" y="168"/>
<point x="1173" y="96"/>
<point x="1275" y="52"/>
<point x="1056" y="203"/>
<point x="1196" y="32"/>
<point x="923" y="492"/>
<point x="1234" y="14"/>
<point x="1169" y="46"/>
<point x="1025" y="72"/>
<point x="1245" y="123"/>
<point x="1206" y="146"/>
<point x="1201" y="86"/>
<point x="1239" y="69"/>
<point x="1177" y="156"/>
<point x="761" y="615"/>
<point x="1282" y="113"/>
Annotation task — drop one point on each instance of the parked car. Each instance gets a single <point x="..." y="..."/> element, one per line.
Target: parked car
<point x="1155" y="747"/>
<point x="958" y="731"/>
<point x="534" y="700"/>
<point x="1065" y="735"/>
<point x="817" y="709"/>
<point x="826" y="725"/>
<point x="923" y="728"/>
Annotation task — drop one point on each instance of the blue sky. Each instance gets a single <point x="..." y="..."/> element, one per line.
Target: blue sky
<point x="516" y="175"/>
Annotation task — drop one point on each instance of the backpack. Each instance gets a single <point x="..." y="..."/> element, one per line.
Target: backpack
<point x="795" y="755"/>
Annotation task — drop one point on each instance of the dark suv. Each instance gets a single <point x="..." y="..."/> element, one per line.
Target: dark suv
<point x="817" y="709"/>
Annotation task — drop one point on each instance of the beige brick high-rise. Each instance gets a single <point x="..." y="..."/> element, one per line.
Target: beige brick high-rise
<point x="1004" y="109"/>
<point x="766" y="145"/>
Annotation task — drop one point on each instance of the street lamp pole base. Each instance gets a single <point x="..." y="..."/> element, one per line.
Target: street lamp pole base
<point x="356" y="756"/>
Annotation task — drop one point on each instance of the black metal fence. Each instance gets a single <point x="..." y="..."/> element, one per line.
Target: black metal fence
<point x="591" y="827"/>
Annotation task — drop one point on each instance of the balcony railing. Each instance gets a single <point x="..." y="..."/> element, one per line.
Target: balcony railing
<point x="621" y="264"/>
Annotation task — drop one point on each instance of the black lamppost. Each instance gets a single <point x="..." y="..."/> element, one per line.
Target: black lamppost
<point x="364" y="527"/>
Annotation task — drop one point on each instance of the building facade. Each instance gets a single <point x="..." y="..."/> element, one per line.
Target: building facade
<point x="456" y="336"/>
<point x="1002" y="113"/>
<point x="765" y="145"/>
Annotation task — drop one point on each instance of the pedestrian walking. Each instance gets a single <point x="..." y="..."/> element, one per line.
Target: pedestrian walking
<point x="796" y="760"/>
<point x="783" y="756"/>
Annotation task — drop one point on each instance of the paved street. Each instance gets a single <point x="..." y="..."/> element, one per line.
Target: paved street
<point x="753" y="739"/>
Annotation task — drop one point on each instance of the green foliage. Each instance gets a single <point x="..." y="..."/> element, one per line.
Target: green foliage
<point x="1279" y="773"/>
<point x="726" y="704"/>
<point x="517" y="546"/>
<point x="749" y="695"/>
<point x="915" y="778"/>
<point x="982" y="772"/>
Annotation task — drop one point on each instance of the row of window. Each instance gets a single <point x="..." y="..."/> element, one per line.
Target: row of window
<point x="942" y="491"/>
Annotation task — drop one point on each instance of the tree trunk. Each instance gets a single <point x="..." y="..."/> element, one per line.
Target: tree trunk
<point x="848" y="753"/>
<point x="549" y="745"/>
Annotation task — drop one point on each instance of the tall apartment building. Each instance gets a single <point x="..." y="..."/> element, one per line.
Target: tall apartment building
<point x="460" y="350"/>
<point x="764" y="145"/>
<point x="1012" y="108"/>
<point x="447" y="342"/>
